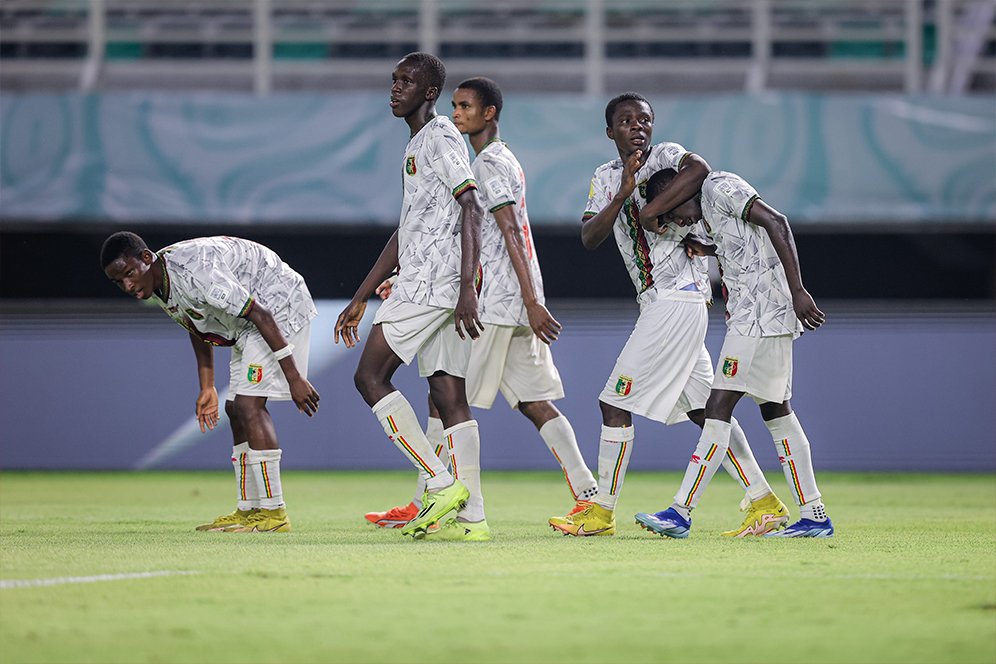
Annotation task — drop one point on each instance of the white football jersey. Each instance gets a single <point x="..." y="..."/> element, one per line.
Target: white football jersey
<point x="652" y="260"/>
<point x="210" y="283"/>
<point x="502" y="183"/>
<point x="759" y="303"/>
<point x="435" y="171"/>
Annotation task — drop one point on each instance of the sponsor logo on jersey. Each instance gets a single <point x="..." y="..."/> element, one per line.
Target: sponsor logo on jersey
<point x="255" y="373"/>
<point x="196" y="315"/>
<point x="730" y="366"/>
<point x="695" y="458"/>
<point x="624" y="385"/>
<point x="410" y="165"/>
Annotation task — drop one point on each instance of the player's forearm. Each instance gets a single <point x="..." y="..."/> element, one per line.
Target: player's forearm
<point x="274" y="338"/>
<point x="691" y="174"/>
<point x="382" y="268"/>
<point x="595" y="229"/>
<point x="515" y="246"/>
<point x="204" y="354"/>
<point x="471" y="218"/>
<point x="780" y="232"/>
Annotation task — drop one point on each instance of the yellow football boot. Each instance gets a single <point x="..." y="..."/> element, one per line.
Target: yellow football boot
<point x="592" y="519"/>
<point x="459" y="531"/>
<point x="764" y="515"/>
<point x="266" y="521"/>
<point x="228" y="521"/>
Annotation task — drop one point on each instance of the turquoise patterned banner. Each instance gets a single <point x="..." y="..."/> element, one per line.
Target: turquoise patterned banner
<point x="337" y="158"/>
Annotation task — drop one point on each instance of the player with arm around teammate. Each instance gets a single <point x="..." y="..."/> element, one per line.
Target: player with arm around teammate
<point x="433" y="307"/>
<point x="767" y="308"/>
<point x="513" y="354"/>
<point x="664" y="371"/>
<point x="228" y="291"/>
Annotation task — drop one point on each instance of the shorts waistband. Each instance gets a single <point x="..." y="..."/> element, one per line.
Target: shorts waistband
<point x="686" y="294"/>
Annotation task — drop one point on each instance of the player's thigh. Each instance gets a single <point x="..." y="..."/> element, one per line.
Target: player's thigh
<point x="444" y="351"/>
<point x="758" y="366"/>
<point x="255" y="372"/>
<point x="530" y="373"/>
<point x="486" y="366"/>
<point x="695" y="394"/>
<point x="408" y="327"/>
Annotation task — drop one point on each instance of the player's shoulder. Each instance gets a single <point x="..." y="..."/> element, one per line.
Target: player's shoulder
<point x="607" y="169"/>
<point x="724" y="183"/>
<point x="667" y="152"/>
<point x="442" y="127"/>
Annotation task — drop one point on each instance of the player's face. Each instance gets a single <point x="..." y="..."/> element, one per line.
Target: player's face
<point x="408" y="89"/>
<point x="632" y="126"/>
<point x="685" y="214"/>
<point x="134" y="275"/>
<point x="469" y="115"/>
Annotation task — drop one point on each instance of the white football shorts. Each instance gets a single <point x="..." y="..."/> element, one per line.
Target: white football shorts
<point x="428" y="333"/>
<point x="512" y="359"/>
<point x="664" y="370"/>
<point x="758" y="366"/>
<point x="255" y="372"/>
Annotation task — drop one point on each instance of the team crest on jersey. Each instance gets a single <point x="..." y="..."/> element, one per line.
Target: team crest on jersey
<point x="730" y="366"/>
<point x="255" y="373"/>
<point x="410" y="165"/>
<point x="624" y="385"/>
<point x="643" y="189"/>
<point x="196" y="315"/>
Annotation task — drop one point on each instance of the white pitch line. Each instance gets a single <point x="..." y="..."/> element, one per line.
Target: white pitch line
<point x="7" y="584"/>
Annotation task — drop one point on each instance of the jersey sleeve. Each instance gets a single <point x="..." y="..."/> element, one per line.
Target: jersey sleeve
<point x="734" y="196"/>
<point x="669" y="155"/>
<point x="219" y="289"/>
<point x="448" y="155"/>
<point x="495" y="183"/>
<point x="599" y="195"/>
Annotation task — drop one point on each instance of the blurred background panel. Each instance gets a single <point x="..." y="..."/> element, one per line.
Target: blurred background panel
<point x="871" y="124"/>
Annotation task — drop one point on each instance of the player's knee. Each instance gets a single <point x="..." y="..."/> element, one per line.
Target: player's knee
<point x="538" y="412"/>
<point x="771" y="411"/>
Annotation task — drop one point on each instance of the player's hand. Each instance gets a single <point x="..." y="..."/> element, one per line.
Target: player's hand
<point x="348" y="324"/>
<point x="806" y="310"/>
<point x="465" y="314"/>
<point x="305" y="396"/>
<point x="630" y="167"/>
<point x="206" y="409"/>
<point x="384" y="290"/>
<point x="544" y="325"/>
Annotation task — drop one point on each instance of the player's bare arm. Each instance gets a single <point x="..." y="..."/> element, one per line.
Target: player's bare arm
<point x="542" y="322"/>
<point x="471" y="218"/>
<point x="595" y="229"/>
<point x="206" y="406"/>
<point x="348" y="323"/>
<point x="692" y="173"/>
<point x="778" y="229"/>
<point x="303" y="393"/>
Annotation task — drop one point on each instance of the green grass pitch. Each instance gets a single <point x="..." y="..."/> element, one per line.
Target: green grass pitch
<point x="910" y="577"/>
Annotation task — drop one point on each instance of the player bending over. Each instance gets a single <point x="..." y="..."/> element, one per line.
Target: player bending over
<point x="228" y="291"/>
<point x="767" y="307"/>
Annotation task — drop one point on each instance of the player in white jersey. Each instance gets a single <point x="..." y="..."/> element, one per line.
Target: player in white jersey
<point x="513" y="354"/>
<point x="228" y="291"/>
<point x="433" y="307"/>
<point x="767" y="307"/>
<point x="664" y="371"/>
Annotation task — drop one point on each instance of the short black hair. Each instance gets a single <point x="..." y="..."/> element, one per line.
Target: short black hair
<point x="659" y="181"/>
<point x="431" y="66"/>
<point x="487" y="91"/>
<point x="121" y="244"/>
<point x="610" y="108"/>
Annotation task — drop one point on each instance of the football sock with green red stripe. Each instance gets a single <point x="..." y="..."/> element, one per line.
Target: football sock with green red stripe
<point x="434" y="432"/>
<point x="742" y="466"/>
<point x="265" y="466"/>
<point x="244" y="478"/>
<point x="614" y="451"/>
<point x="558" y="434"/>
<point x="464" y="443"/>
<point x="797" y="463"/>
<point x="402" y="428"/>
<point x="706" y="459"/>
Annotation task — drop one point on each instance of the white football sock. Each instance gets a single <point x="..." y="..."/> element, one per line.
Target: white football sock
<point x="402" y="428"/>
<point x="559" y="437"/>
<point x="464" y="443"/>
<point x="244" y="478"/>
<point x="742" y="466"/>
<point x="614" y="451"/>
<point x="265" y="466"/>
<point x="706" y="460"/>
<point x="434" y="434"/>
<point x="797" y="462"/>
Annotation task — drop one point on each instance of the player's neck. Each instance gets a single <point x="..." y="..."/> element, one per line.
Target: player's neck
<point x="484" y="138"/>
<point x="160" y="279"/>
<point x="420" y="117"/>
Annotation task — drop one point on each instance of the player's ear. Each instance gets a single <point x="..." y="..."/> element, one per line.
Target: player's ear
<point x="610" y="134"/>
<point x="148" y="257"/>
<point x="431" y="93"/>
<point x="489" y="113"/>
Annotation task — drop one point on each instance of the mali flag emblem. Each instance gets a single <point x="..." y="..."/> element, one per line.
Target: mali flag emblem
<point x="410" y="165"/>
<point x="730" y="365"/>
<point x="255" y="373"/>
<point x="624" y="385"/>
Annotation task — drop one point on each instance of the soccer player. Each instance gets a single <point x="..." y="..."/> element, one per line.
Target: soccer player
<point x="512" y="354"/>
<point x="433" y="306"/>
<point x="767" y="308"/>
<point x="227" y="291"/>
<point x="664" y="372"/>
